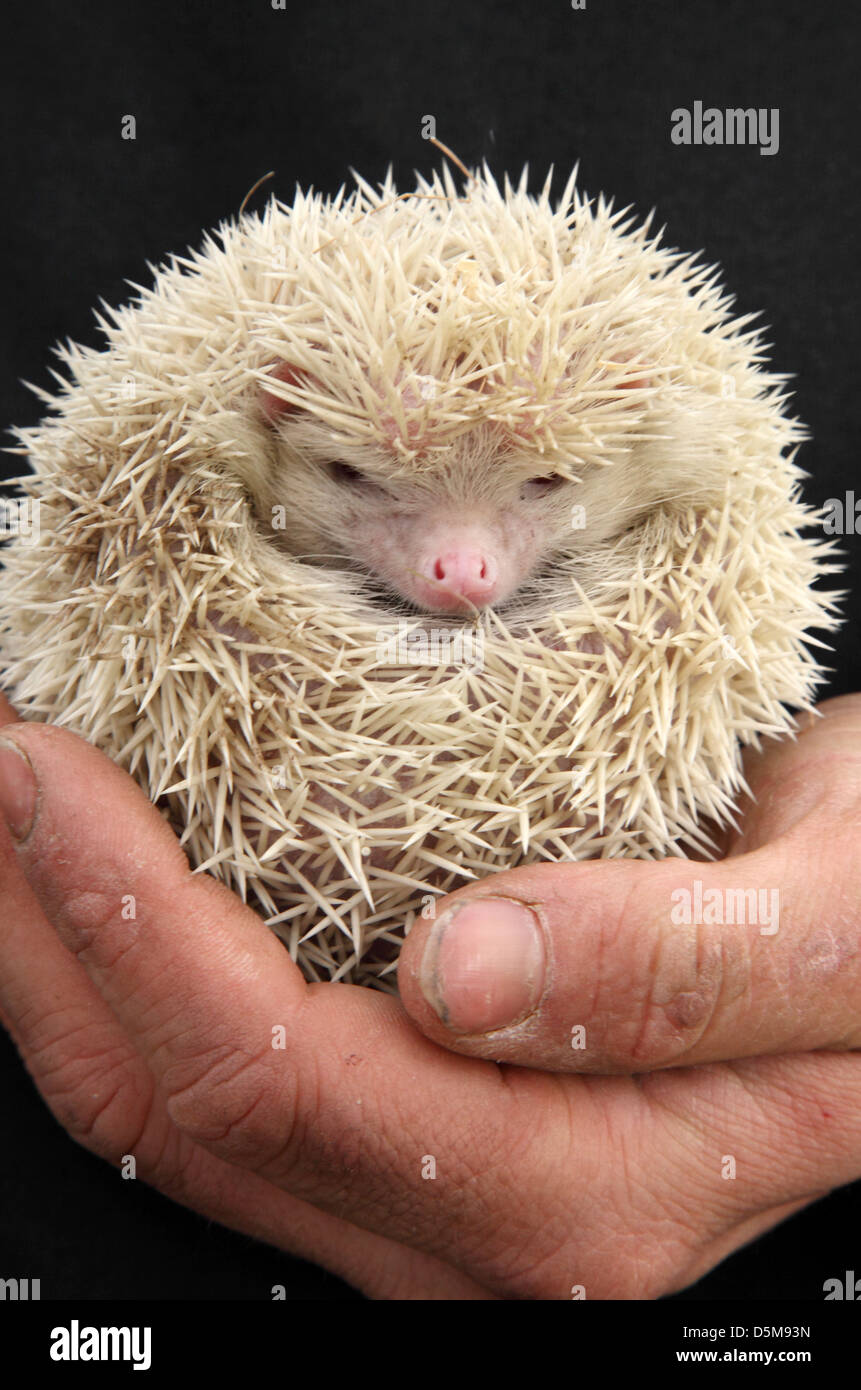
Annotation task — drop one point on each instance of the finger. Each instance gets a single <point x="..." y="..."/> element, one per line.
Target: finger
<point x="351" y="1110"/>
<point x="101" y="1091"/>
<point x="199" y="985"/>
<point x="793" y="777"/>
<point x="630" y="966"/>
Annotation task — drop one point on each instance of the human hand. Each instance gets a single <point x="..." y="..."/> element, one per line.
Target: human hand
<point x="602" y="947"/>
<point x="153" y="1036"/>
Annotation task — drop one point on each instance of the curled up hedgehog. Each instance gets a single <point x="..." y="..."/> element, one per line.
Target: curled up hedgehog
<point x="393" y="540"/>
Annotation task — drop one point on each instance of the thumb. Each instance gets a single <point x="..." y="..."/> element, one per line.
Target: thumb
<point x="628" y="966"/>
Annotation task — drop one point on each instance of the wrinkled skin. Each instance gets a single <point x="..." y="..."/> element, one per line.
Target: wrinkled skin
<point x="150" y="1032"/>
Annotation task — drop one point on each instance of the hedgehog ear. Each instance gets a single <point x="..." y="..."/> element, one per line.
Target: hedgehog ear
<point x="639" y="383"/>
<point x="275" y="407"/>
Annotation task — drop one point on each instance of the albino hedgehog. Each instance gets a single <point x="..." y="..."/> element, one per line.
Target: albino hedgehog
<point x="397" y="539"/>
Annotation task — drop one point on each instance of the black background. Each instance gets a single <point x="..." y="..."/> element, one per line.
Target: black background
<point x="224" y="92"/>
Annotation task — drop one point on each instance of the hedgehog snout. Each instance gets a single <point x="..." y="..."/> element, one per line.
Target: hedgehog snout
<point x="457" y="575"/>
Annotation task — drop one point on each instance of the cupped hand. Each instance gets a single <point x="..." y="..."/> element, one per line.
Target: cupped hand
<point x="159" y="1018"/>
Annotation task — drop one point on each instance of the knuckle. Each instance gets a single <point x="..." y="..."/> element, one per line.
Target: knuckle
<point x="660" y="986"/>
<point x="103" y="1103"/>
<point x="684" y="993"/>
<point x="690" y="972"/>
<point x="240" y="1104"/>
<point x="93" y="926"/>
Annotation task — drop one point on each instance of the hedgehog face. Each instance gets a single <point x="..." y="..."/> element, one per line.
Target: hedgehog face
<point x="462" y="536"/>
<point x="480" y="521"/>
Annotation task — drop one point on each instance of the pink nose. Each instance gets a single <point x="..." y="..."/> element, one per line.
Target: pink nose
<point x="463" y="573"/>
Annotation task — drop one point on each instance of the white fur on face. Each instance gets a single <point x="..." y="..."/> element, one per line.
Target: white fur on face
<point x="339" y="506"/>
<point x="398" y="530"/>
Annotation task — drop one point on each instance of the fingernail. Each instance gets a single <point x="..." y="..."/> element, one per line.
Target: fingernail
<point x="484" y="965"/>
<point x="17" y="789"/>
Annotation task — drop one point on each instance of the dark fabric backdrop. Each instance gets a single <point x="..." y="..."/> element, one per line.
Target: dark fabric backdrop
<point x="224" y="92"/>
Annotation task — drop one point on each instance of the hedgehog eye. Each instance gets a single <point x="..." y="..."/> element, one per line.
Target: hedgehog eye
<point x="540" y="487"/>
<point x="346" y="473"/>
